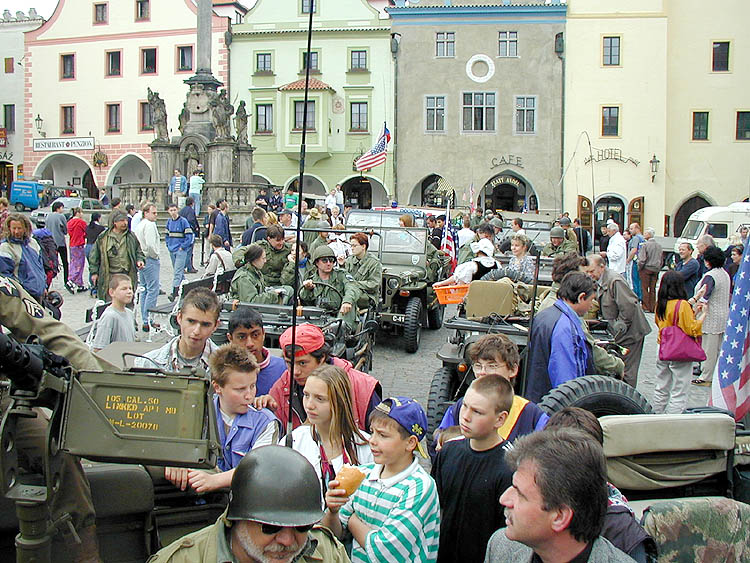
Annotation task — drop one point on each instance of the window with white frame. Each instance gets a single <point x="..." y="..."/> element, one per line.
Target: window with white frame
<point x="700" y="126"/>
<point x="68" y="63"/>
<point x="358" y="60"/>
<point x="720" y="62"/>
<point x="435" y="108"/>
<point x="507" y="43"/>
<point x="142" y="9"/>
<point x="185" y="58"/>
<point x="299" y="119"/>
<point x="263" y="118"/>
<point x="100" y="13"/>
<point x="611" y="51"/>
<point x="358" y="114"/>
<point x="68" y="120"/>
<point x="148" y="61"/>
<point x="113" y="118"/>
<point x="526" y="114"/>
<point x="743" y="126"/>
<point x="312" y="56"/>
<point x="114" y="63"/>
<point x="263" y="62"/>
<point x="610" y="121"/>
<point x="309" y="6"/>
<point x="445" y="44"/>
<point x="146" y="117"/>
<point x="479" y="111"/>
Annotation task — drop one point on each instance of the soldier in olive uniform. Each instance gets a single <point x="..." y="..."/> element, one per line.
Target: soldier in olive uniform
<point x="23" y="316"/>
<point x="249" y="285"/>
<point x="305" y="265"/>
<point x="267" y="517"/>
<point x="314" y="221"/>
<point x="558" y="244"/>
<point x="366" y="270"/>
<point x="277" y="252"/>
<point x="345" y="295"/>
<point x="320" y="240"/>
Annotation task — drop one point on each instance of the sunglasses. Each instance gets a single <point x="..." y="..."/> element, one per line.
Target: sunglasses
<point x="273" y="529"/>
<point x="327" y="259"/>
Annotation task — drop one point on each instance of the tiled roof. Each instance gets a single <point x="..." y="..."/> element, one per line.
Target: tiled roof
<point x="315" y="84"/>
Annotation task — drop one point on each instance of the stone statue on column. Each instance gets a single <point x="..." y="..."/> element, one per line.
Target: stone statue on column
<point x="240" y="123"/>
<point x="159" y="115"/>
<point x="221" y="113"/>
<point x="184" y="117"/>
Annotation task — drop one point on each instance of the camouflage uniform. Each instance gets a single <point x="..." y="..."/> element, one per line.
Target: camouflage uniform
<point x="275" y="261"/>
<point x="604" y="362"/>
<point x="211" y="545"/>
<point x="249" y="286"/>
<point x="368" y="273"/>
<point x="565" y="247"/>
<point x="327" y="298"/>
<point x="23" y="316"/>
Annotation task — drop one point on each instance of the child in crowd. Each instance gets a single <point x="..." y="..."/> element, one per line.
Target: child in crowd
<point x="117" y="323"/>
<point x="241" y="427"/>
<point x="246" y="329"/>
<point x="394" y="515"/>
<point x="471" y="473"/>
<point x="496" y="355"/>
<point x="447" y="435"/>
<point x="330" y="437"/>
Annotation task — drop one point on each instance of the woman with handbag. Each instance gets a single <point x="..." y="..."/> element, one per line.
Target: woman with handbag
<point x="679" y="344"/>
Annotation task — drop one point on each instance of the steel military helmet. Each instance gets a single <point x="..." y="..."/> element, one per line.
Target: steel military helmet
<point x="275" y="485"/>
<point x="557" y="232"/>
<point x="321" y="251"/>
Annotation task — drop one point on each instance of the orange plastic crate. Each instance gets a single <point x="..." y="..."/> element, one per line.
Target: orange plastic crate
<point x="451" y="293"/>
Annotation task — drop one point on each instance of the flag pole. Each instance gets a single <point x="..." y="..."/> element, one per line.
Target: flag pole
<point x="292" y="384"/>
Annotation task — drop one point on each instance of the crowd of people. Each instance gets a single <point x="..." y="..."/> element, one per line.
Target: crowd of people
<point x="507" y="482"/>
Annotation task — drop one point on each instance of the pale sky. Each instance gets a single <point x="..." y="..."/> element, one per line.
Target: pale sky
<point x="43" y="7"/>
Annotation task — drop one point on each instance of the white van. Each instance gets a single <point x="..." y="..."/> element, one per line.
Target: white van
<point x="719" y="222"/>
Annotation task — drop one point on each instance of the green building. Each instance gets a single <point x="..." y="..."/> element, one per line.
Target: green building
<point x="350" y="97"/>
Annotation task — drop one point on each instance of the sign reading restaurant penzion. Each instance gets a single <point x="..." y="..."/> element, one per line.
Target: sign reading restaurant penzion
<point x="71" y="144"/>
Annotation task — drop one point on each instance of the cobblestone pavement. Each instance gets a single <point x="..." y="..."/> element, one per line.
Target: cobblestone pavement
<point x="400" y="373"/>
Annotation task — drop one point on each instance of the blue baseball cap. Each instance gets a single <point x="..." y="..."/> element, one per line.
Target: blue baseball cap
<point x="410" y="415"/>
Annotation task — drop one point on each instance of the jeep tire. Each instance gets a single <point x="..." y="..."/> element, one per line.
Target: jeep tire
<point x="442" y="388"/>
<point x="413" y="324"/>
<point x="600" y="394"/>
<point x="435" y="316"/>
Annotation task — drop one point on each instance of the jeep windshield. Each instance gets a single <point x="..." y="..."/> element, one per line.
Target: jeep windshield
<point x="377" y="219"/>
<point x="692" y="229"/>
<point x="406" y="241"/>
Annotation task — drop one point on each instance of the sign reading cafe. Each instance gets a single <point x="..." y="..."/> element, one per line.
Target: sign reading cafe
<point x="64" y="144"/>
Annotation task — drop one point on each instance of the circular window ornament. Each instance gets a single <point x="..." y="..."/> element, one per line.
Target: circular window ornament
<point x="472" y="62"/>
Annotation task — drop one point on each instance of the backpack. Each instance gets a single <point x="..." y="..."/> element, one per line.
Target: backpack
<point x="48" y="252"/>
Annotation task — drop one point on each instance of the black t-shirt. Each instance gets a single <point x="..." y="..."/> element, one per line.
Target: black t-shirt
<point x="469" y="485"/>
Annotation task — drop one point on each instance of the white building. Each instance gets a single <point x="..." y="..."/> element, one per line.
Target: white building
<point x="12" y="28"/>
<point x="87" y="73"/>
<point x="660" y="89"/>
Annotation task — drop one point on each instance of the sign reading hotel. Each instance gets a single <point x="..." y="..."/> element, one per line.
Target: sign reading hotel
<point x="610" y="154"/>
<point x="64" y="144"/>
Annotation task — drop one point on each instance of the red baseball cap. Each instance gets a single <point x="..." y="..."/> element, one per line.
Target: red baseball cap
<point x="308" y="339"/>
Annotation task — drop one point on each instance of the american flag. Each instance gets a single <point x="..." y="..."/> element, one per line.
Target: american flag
<point x="730" y="388"/>
<point x="450" y="236"/>
<point x="376" y="155"/>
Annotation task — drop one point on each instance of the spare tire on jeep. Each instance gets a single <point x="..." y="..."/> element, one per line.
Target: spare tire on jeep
<point x="600" y="394"/>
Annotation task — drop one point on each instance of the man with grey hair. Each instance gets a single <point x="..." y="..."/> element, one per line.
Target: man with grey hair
<point x="649" y="264"/>
<point x="619" y="305"/>
<point x="555" y="508"/>
<point x="616" y="249"/>
<point x="703" y="243"/>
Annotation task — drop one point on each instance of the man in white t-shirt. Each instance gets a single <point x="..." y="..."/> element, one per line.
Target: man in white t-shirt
<point x="148" y="237"/>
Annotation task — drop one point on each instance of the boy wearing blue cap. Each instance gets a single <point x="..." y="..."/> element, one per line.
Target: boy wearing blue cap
<point x="394" y="515"/>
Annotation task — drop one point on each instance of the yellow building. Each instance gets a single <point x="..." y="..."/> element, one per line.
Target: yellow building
<point x="659" y="88"/>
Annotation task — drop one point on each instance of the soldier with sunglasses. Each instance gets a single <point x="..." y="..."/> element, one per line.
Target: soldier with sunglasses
<point x="331" y="289"/>
<point x="268" y="518"/>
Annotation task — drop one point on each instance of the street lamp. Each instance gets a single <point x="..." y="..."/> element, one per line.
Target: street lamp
<point x="39" y="122"/>
<point x="654" y="162"/>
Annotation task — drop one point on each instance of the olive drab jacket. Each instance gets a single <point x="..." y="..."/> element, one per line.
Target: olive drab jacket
<point x="99" y="260"/>
<point x="211" y="545"/>
<point x="22" y="315"/>
<point x="565" y="247"/>
<point x="310" y="236"/>
<point x="287" y="274"/>
<point x="436" y="262"/>
<point x="368" y="273"/>
<point x="275" y="262"/>
<point x="327" y="298"/>
<point x="249" y="286"/>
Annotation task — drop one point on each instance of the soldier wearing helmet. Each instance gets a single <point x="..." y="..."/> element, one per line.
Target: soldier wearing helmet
<point x="268" y="517"/>
<point x="558" y="244"/>
<point x="329" y="288"/>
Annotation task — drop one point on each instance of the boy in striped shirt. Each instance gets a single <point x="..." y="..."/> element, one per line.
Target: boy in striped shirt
<point x="394" y="515"/>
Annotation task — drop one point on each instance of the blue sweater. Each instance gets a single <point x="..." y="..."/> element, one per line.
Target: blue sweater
<point x="179" y="234"/>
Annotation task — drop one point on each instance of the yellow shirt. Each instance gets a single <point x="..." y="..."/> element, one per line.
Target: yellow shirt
<point x="686" y="320"/>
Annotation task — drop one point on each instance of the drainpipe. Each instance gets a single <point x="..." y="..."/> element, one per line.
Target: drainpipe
<point x="560" y="52"/>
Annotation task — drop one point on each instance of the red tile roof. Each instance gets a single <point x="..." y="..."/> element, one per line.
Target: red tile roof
<point x="315" y="84"/>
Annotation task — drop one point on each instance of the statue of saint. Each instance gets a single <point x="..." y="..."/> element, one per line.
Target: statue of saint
<point x="158" y="115"/>
<point x="240" y="123"/>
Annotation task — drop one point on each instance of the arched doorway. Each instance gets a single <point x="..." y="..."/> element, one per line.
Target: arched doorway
<point x="609" y="207"/>
<point x="685" y="211"/>
<point x="6" y="176"/>
<point x="436" y="192"/>
<point x="62" y="168"/>
<point x="363" y="192"/>
<point x="508" y="192"/>
<point x="311" y="186"/>
<point x="129" y="169"/>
